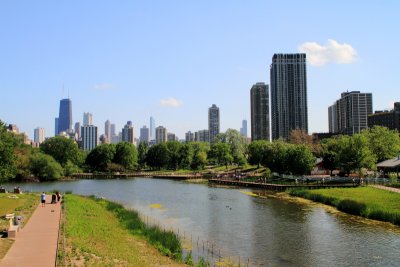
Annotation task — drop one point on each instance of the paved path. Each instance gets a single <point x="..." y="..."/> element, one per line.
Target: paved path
<point x="36" y="244"/>
<point x="396" y="190"/>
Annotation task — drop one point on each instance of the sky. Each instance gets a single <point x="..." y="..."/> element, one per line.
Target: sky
<point x="129" y="60"/>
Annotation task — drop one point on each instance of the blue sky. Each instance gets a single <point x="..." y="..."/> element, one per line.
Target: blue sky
<point x="129" y="60"/>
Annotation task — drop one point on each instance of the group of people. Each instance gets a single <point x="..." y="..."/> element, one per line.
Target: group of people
<point x="55" y="197"/>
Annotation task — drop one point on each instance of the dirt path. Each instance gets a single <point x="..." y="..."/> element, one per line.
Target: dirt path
<point x="36" y="243"/>
<point x="387" y="188"/>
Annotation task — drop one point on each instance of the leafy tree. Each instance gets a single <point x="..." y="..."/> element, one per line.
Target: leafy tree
<point x="300" y="137"/>
<point x="275" y="156"/>
<point x="100" y="157"/>
<point x="354" y="154"/>
<point x="329" y="154"/>
<point x="186" y="153"/>
<point x="22" y="155"/>
<point x="174" y="157"/>
<point x="383" y="143"/>
<point x="221" y="152"/>
<point x="300" y="159"/>
<point x="62" y="150"/>
<point x="237" y="145"/>
<point x="45" y="167"/>
<point x="126" y="155"/>
<point x="8" y="169"/>
<point x="256" y="151"/>
<point x="157" y="156"/>
<point x="143" y="148"/>
<point x="70" y="168"/>
<point x="200" y="150"/>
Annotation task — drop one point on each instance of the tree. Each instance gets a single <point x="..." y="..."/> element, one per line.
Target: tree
<point x="354" y="154"/>
<point x="62" y="150"/>
<point x="100" y="157"/>
<point x="383" y="143"/>
<point x="300" y="159"/>
<point x="126" y="155"/>
<point x="275" y="156"/>
<point x="186" y="153"/>
<point x="329" y="154"/>
<point x="300" y="137"/>
<point x="221" y="153"/>
<point x="237" y="145"/>
<point x="8" y="169"/>
<point x="256" y="151"/>
<point x="200" y="150"/>
<point x="173" y="148"/>
<point x="157" y="156"/>
<point x="45" y="167"/>
<point x="142" y="154"/>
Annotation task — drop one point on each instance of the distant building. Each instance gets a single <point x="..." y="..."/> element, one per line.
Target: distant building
<point x="13" y="128"/>
<point x="89" y="137"/>
<point x="171" y="137"/>
<point x="161" y="134"/>
<point x="259" y="105"/>
<point x="56" y="126"/>
<point x="189" y="137"/>
<point x="127" y="133"/>
<point x="349" y="114"/>
<point x="87" y="119"/>
<point x="288" y="77"/>
<point x="213" y="122"/>
<point x="107" y="132"/>
<point x="78" y="130"/>
<point x="243" y="130"/>
<point x="144" y="134"/>
<point x="389" y="119"/>
<point x="152" y="128"/>
<point x="202" y="136"/>
<point x="65" y="116"/>
<point x="114" y="137"/>
<point x="38" y="134"/>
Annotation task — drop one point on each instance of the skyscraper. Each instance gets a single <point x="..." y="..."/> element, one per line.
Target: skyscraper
<point x="152" y="128"/>
<point x="89" y="137"/>
<point x="189" y="137"/>
<point x="56" y="126"/>
<point x="259" y="105"/>
<point x="38" y="135"/>
<point x="161" y="134"/>
<point x="349" y="114"/>
<point x="243" y="129"/>
<point x="144" y="134"/>
<point x="107" y="131"/>
<point x="65" y="116"/>
<point x="213" y="122"/>
<point x="127" y="133"/>
<point x="87" y="119"/>
<point x="78" y="130"/>
<point x="288" y="94"/>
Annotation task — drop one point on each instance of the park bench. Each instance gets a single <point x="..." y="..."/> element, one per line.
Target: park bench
<point x="13" y="228"/>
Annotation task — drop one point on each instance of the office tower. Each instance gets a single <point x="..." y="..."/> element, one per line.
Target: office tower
<point x="161" y="134"/>
<point x="259" y="107"/>
<point x="127" y="133"/>
<point x="349" y="114"/>
<point x="202" y="136"/>
<point x="389" y="119"/>
<point x="189" y="137"/>
<point x="288" y="94"/>
<point x="89" y="137"/>
<point x="38" y="135"/>
<point x="213" y="122"/>
<point x="77" y="128"/>
<point x="171" y="137"/>
<point x="243" y="129"/>
<point x="56" y="126"/>
<point x="87" y="119"/>
<point x="112" y="129"/>
<point x="107" y="132"/>
<point x="152" y="128"/>
<point x="144" y="134"/>
<point x="65" y="116"/>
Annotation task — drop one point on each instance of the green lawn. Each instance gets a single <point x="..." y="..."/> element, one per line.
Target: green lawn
<point x="368" y="202"/>
<point x="102" y="233"/>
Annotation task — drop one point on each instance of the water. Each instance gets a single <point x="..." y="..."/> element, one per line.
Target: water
<point x="266" y="231"/>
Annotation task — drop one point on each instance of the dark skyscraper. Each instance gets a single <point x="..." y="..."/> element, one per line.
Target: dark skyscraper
<point x="213" y="122"/>
<point x="65" y="116"/>
<point x="259" y="102"/>
<point x="288" y="94"/>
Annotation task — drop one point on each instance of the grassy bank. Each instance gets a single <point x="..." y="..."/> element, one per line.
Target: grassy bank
<point x="367" y="202"/>
<point x="102" y="233"/>
<point x="21" y="205"/>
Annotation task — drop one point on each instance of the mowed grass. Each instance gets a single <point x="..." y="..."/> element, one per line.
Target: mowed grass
<point x="21" y="205"/>
<point x="101" y="233"/>
<point x="368" y="202"/>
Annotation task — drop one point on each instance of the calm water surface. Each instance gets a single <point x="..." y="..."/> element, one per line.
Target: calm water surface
<point x="267" y="231"/>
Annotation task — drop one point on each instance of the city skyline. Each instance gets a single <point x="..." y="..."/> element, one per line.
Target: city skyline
<point x="173" y="60"/>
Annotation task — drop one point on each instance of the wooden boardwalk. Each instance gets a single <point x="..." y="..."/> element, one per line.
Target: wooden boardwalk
<point x="276" y="187"/>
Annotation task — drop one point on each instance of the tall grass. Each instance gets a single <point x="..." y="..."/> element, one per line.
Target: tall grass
<point x="367" y="202"/>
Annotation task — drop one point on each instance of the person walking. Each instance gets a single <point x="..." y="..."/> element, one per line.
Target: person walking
<point x="43" y="199"/>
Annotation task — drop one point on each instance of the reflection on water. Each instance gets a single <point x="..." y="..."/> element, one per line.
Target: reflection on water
<point x="268" y="231"/>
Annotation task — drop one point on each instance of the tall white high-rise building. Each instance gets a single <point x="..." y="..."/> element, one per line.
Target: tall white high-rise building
<point x="152" y="128"/>
<point x="38" y="135"/>
<point x="161" y="134"/>
<point x="144" y="134"/>
<point x="87" y="119"/>
<point x="89" y="137"/>
<point x="107" y="131"/>
<point x="77" y="129"/>
<point x="213" y="122"/>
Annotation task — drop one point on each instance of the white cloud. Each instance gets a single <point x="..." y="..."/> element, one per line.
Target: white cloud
<point x="171" y="102"/>
<point x="104" y="86"/>
<point x="332" y="51"/>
